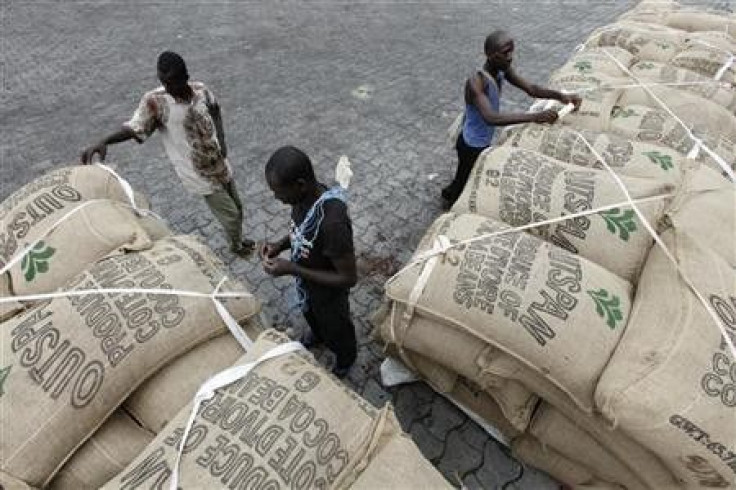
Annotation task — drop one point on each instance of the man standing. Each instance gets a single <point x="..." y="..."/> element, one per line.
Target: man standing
<point x="482" y="104"/>
<point x="188" y="117"/>
<point x="322" y="253"/>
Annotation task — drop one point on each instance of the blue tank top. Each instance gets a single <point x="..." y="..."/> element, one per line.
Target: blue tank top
<point x="476" y="131"/>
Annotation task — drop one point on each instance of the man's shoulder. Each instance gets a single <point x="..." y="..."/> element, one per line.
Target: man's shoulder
<point x="157" y="92"/>
<point x="336" y="211"/>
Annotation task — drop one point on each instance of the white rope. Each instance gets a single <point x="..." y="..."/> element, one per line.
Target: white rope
<point x="434" y="252"/>
<point x="605" y="86"/>
<point x="698" y="142"/>
<point x="19" y="256"/>
<point x="726" y="65"/>
<point x="84" y="292"/>
<point x="661" y="244"/>
<point x="220" y="380"/>
<point x="128" y="190"/>
<point x="228" y="319"/>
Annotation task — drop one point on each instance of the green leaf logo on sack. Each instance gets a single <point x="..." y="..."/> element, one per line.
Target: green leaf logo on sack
<point x="619" y="222"/>
<point x="619" y="111"/>
<point x="645" y="66"/>
<point x="583" y="66"/>
<point x="4" y="372"/>
<point x="606" y="307"/>
<point x="36" y="261"/>
<point x="664" y="161"/>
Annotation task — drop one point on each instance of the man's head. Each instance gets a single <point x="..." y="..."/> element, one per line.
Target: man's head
<point x="290" y="175"/>
<point x="172" y="73"/>
<point x="499" y="49"/>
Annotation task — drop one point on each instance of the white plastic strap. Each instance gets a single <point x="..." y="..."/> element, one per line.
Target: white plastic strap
<point x="229" y="321"/>
<point x="434" y="252"/>
<point x="649" y="84"/>
<point x="720" y="161"/>
<point x="220" y="380"/>
<point x="565" y="110"/>
<point x="728" y="64"/>
<point x="19" y="256"/>
<point x="659" y="241"/>
<point x="84" y="292"/>
<point x="127" y="189"/>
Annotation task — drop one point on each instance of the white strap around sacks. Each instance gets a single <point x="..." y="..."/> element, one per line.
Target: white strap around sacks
<point x="128" y="190"/>
<point x="441" y="245"/>
<point x="664" y="248"/>
<point x="698" y="142"/>
<point x="729" y="60"/>
<point x="228" y="319"/>
<point x="220" y="380"/>
<point x="19" y="256"/>
<point x="432" y="253"/>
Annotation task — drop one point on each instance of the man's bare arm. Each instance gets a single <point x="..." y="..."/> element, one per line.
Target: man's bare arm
<point x="476" y="95"/>
<point x="123" y="134"/>
<point x="540" y="92"/>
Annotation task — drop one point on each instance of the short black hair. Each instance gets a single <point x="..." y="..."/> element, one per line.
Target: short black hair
<point x="495" y="40"/>
<point x="173" y="64"/>
<point x="288" y="164"/>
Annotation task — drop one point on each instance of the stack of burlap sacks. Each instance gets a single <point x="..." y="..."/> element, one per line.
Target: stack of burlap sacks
<point x="92" y="383"/>
<point x="578" y="339"/>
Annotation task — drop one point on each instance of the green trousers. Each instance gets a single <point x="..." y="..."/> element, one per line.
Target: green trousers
<point x="226" y="206"/>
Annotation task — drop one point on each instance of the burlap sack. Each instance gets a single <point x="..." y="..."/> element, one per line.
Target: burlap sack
<point x="524" y="296"/>
<point x="520" y="187"/>
<point x="286" y="423"/>
<point x="625" y="157"/>
<point x="8" y="482"/>
<point x="718" y="93"/>
<point x="161" y="397"/>
<point x="398" y="464"/>
<point x="597" y="61"/>
<point x="487" y="367"/>
<point x="110" y="449"/>
<point x="554" y="430"/>
<point x="655" y="126"/>
<point x="691" y="109"/>
<point x="97" y="230"/>
<point x="707" y="211"/>
<point x="38" y="204"/>
<point x="700" y="21"/>
<point x="514" y="401"/>
<point x="68" y="362"/>
<point x="705" y="60"/>
<point x="530" y="451"/>
<point x="595" y="109"/>
<point x="41" y="200"/>
<point x="643" y="42"/>
<point x="670" y="384"/>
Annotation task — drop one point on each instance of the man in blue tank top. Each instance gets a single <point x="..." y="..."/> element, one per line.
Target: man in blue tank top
<point x="482" y="108"/>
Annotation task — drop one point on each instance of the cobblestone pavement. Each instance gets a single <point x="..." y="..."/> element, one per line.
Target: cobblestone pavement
<point x="378" y="81"/>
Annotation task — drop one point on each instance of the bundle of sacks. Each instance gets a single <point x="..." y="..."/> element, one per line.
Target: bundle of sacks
<point x="543" y="304"/>
<point x="88" y="380"/>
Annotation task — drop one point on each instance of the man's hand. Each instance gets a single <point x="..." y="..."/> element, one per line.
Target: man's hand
<point x="88" y="153"/>
<point x="269" y="250"/>
<point x="549" y="116"/>
<point x="279" y="267"/>
<point x="573" y="99"/>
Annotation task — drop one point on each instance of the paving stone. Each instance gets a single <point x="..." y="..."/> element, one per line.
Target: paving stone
<point x="374" y="393"/>
<point x="443" y="418"/>
<point x="459" y="457"/>
<point x="431" y="447"/>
